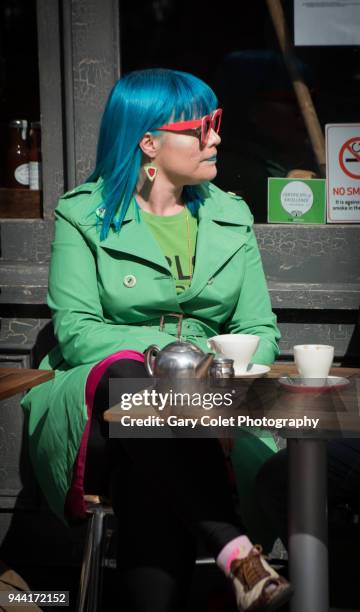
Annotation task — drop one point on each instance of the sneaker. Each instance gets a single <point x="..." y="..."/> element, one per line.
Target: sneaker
<point x="257" y="586"/>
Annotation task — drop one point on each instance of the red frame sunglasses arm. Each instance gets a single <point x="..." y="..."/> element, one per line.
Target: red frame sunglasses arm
<point x="181" y="125"/>
<point x="193" y="123"/>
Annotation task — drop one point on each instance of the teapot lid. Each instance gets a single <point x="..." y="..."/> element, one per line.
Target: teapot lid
<point x="182" y="346"/>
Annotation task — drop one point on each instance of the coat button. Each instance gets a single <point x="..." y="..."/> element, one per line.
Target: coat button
<point x="192" y="328"/>
<point x="129" y="280"/>
<point x="100" y="212"/>
<point x="210" y="281"/>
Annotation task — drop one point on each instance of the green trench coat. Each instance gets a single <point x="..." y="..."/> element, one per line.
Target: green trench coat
<point x="98" y="311"/>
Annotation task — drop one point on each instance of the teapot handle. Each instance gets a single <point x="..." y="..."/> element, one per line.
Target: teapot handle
<point x="149" y="357"/>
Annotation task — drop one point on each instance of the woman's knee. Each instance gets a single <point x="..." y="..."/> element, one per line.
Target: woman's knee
<point x="127" y="375"/>
<point x="127" y="368"/>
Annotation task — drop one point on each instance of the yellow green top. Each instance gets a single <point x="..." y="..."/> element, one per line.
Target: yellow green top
<point x="176" y="236"/>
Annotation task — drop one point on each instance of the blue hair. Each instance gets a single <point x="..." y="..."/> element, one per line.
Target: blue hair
<point x="139" y="102"/>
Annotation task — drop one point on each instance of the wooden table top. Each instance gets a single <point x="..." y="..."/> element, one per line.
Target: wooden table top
<point x="16" y="380"/>
<point x="289" y="369"/>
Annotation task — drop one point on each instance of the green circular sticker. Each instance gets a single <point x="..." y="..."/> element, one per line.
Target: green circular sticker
<point x="296" y="198"/>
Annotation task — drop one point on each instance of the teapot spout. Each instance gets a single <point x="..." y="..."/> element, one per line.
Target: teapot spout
<point x="202" y="368"/>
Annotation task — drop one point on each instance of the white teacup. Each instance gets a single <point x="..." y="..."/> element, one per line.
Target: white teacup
<point x="239" y="347"/>
<point x="313" y="361"/>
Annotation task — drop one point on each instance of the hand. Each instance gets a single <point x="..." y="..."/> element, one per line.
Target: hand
<point x="301" y="174"/>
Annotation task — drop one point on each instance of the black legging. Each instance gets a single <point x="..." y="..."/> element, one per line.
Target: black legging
<point x="164" y="492"/>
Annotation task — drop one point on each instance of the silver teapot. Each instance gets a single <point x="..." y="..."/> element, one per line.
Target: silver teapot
<point x="177" y="360"/>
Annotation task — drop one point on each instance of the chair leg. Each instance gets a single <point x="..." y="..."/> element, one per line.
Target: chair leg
<point x="96" y="565"/>
<point x="85" y="567"/>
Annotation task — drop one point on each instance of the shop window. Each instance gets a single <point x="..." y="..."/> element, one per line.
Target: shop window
<point x="20" y="128"/>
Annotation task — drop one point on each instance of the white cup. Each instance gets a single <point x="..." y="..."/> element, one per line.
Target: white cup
<point x="313" y="361"/>
<point x="239" y="347"/>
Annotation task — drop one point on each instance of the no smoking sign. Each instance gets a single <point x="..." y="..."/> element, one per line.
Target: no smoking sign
<point x="343" y="173"/>
<point x="349" y="157"/>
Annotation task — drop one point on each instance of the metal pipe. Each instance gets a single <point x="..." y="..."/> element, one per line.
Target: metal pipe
<point x="301" y="89"/>
<point x="308" y="554"/>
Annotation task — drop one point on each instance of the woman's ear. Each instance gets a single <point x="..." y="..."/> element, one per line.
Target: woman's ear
<point x="149" y="145"/>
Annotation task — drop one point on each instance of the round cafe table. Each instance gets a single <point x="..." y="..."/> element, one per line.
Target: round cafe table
<point x="338" y="415"/>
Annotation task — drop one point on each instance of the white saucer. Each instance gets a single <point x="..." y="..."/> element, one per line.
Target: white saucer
<point x="253" y="369"/>
<point x="298" y="383"/>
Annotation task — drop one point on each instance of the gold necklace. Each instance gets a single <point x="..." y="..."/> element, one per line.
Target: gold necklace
<point x="189" y="243"/>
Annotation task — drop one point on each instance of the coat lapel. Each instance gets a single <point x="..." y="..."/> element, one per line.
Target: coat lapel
<point x="135" y="239"/>
<point x="219" y="238"/>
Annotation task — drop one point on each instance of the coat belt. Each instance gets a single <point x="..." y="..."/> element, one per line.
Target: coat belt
<point x="190" y="326"/>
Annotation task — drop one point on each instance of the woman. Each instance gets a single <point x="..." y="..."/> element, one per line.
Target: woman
<point x="149" y="235"/>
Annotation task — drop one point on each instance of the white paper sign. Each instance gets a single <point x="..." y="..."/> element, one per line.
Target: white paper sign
<point x="327" y="22"/>
<point x="343" y="172"/>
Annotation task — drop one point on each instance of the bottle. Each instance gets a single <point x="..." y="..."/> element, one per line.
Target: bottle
<point x="17" y="174"/>
<point x="221" y="369"/>
<point x="35" y="155"/>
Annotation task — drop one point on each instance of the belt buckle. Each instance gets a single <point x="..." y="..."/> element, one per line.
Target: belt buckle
<point x="179" y="316"/>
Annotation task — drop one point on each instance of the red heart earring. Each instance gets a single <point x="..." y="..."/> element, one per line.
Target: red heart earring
<point x="151" y="172"/>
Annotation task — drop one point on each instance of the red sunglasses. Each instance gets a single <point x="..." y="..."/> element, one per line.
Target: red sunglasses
<point x="206" y="123"/>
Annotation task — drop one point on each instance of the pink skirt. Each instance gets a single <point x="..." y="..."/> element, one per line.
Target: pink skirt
<point x="75" y="507"/>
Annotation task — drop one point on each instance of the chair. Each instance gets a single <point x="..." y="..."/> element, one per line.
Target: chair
<point x="91" y="578"/>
